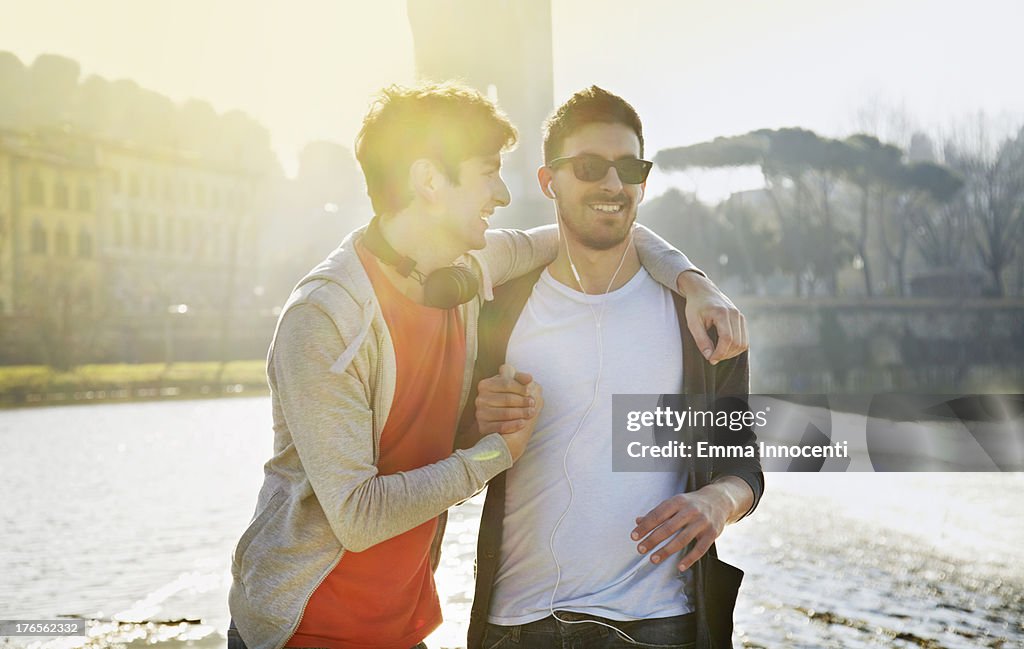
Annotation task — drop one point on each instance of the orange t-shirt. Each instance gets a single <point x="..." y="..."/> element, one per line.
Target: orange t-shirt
<point x="384" y="597"/>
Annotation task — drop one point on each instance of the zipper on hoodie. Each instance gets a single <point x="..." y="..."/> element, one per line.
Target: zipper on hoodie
<point x="302" y="611"/>
<point x="377" y="425"/>
<point x="376" y="441"/>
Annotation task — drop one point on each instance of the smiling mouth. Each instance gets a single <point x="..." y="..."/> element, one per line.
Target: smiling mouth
<point x="607" y="208"/>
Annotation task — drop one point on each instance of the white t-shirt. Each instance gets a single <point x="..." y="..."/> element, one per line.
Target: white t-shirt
<point x="556" y="340"/>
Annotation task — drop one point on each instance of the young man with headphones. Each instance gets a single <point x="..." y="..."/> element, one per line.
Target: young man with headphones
<point x="369" y="369"/>
<point x="570" y="553"/>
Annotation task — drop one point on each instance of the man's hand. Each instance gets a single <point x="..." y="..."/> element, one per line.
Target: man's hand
<point x="509" y="403"/>
<point x="707" y="306"/>
<point x="697" y="517"/>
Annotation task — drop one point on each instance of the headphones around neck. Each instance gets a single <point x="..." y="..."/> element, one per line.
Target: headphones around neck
<point x="444" y="288"/>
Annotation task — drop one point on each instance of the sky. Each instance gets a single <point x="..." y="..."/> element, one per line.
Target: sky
<point x="695" y="69"/>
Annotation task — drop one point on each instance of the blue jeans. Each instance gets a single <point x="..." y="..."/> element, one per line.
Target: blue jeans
<point x="677" y="632"/>
<point x="235" y="640"/>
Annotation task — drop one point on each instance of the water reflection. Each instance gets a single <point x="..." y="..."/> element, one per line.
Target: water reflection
<point x="128" y="513"/>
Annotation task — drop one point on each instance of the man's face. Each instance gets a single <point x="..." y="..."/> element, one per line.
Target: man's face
<point x="467" y="205"/>
<point x="597" y="214"/>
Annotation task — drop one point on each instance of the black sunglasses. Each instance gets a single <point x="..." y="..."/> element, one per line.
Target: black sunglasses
<point x="591" y="168"/>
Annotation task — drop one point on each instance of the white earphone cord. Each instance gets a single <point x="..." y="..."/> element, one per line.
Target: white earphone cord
<point x="598" y="319"/>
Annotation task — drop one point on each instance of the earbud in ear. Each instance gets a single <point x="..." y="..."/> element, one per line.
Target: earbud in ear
<point x="551" y="191"/>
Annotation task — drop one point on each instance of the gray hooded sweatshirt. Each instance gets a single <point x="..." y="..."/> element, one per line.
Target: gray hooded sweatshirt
<point x="331" y="369"/>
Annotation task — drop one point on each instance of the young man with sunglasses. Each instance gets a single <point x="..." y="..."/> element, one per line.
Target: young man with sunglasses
<point x="569" y="552"/>
<point x="369" y="370"/>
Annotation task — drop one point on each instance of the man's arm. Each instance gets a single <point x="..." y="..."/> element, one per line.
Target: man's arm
<point x="706" y="305"/>
<point x="734" y="491"/>
<point x="331" y="423"/>
<point x="698" y="517"/>
<point x="513" y="253"/>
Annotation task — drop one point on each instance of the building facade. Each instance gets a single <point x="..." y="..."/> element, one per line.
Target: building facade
<point x="100" y="239"/>
<point x="51" y="217"/>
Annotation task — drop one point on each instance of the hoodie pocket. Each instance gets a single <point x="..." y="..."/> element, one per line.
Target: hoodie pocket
<point x="258" y="525"/>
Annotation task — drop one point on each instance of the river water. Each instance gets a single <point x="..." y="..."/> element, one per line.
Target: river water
<point x="127" y="514"/>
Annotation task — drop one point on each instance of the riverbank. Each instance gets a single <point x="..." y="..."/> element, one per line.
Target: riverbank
<point x="35" y="385"/>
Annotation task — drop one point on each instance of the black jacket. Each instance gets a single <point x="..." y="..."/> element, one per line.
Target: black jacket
<point x="716" y="582"/>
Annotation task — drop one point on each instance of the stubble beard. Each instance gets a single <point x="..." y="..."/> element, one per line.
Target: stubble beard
<point x="575" y="218"/>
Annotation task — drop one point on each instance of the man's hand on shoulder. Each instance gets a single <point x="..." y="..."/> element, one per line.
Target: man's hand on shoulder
<point x="707" y="306"/>
<point x="509" y="403"/>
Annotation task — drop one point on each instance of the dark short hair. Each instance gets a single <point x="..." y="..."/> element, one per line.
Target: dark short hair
<point x="445" y="122"/>
<point x="588" y="106"/>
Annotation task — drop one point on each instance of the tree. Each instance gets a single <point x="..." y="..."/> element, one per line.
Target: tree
<point x="749" y="242"/>
<point x="804" y="174"/>
<point x="800" y="170"/>
<point x="65" y="319"/>
<point x="14" y="90"/>
<point x="686" y="223"/>
<point x="96" y="109"/>
<point x="938" y="225"/>
<point x="53" y="83"/>
<point x="914" y="191"/>
<point x="870" y="166"/>
<point x="993" y="199"/>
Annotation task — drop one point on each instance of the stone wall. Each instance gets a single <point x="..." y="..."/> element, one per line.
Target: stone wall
<point x="880" y="345"/>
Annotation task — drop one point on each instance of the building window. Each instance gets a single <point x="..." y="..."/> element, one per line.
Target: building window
<point x="38" y="246"/>
<point x="84" y="199"/>
<point x="84" y="245"/>
<point x="203" y="238"/>
<point x="62" y="243"/>
<point x="251" y="238"/>
<point x="136" y="230"/>
<point x="168" y="234"/>
<point x="116" y="223"/>
<point x="218" y="249"/>
<point x="36" y="191"/>
<point x="61" y="199"/>
<point x="186" y="236"/>
<point x="85" y="300"/>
